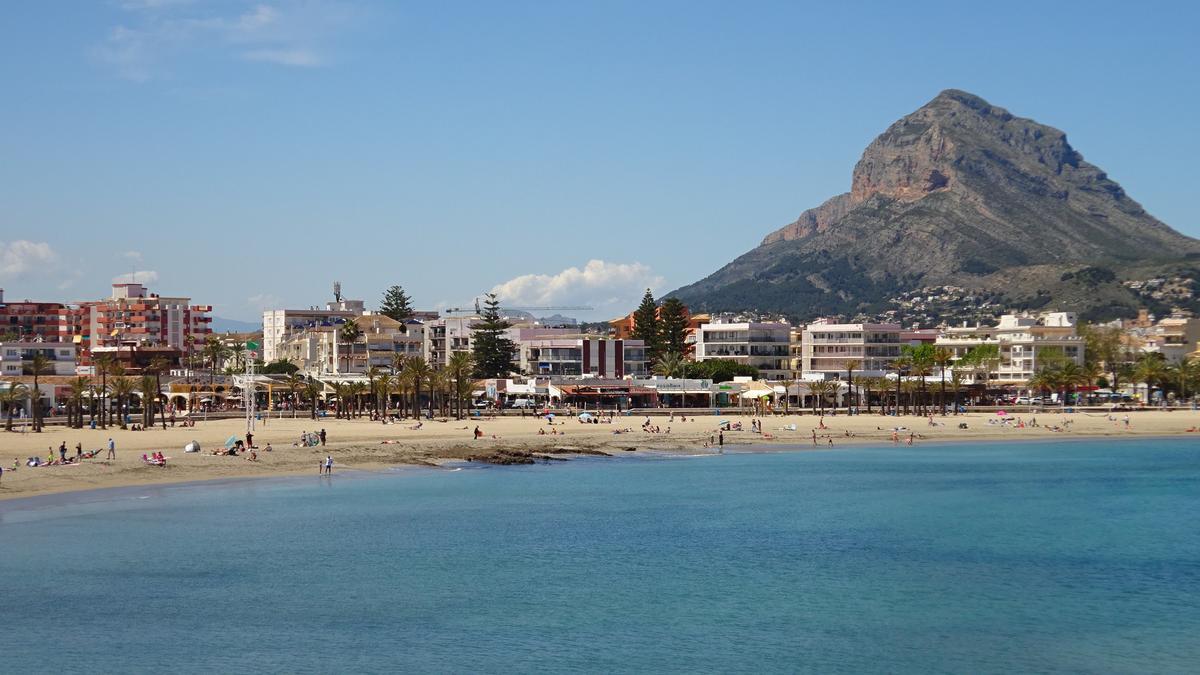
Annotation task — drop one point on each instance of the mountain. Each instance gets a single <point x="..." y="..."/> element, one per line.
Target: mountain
<point x="961" y="195"/>
<point x="223" y="325"/>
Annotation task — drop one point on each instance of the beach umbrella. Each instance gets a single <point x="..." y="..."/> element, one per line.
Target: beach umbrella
<point x="192" y="447"/>
<point x="231" y="441"/>
<point x="585" y="417"/>
<point x="1001" y="413"/>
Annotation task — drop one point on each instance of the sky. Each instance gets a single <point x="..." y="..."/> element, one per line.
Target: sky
<point x="248" y="154"/>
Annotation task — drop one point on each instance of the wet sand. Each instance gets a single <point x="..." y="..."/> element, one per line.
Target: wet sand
<point x="371" y="446"/>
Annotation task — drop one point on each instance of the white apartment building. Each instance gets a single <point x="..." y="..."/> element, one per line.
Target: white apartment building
<point x="825" y="349"/>
<point x="570" y="354"/>
<point x="281" y="324"/>
<point x="762" y="345"/>
<point x="16" y="358"/>
<point x="1020" y="339"/>
<point x="448" y="335"/>
<point x="320" y="350"/>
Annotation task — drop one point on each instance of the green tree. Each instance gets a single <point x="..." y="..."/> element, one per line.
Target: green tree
<point x="348" y="334"/>
<point x="671" y="364"/>
<point x="396" y="304"/>
<point x="104" y="367"/>
<point x="460" y="367"/>
<point x="280" y="367"/>
<point x="851" y="366"/>
<point x="493" y="351"/>
<point x="416" y="371"/>
<point x="122" y="387"/>
<point x="38" y="365"/>
<point x="645" y="326"/>
<point x="313" y="389"/>
<point x="673" y="328"/>
<point x="10" y="397"/>
<point x="942" y="358"/>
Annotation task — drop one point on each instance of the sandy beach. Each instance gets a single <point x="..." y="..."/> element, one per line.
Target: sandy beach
<point x="364" y="445"/>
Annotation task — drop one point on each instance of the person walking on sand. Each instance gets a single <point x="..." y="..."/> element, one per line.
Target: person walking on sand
<point x="814" y="438"/>
<point x="322" y="435"/>
<point x="112" y="449"/>
<point x="479" y="434"/>
<point x="910" y="438"/>
<point x="62" y="452"/>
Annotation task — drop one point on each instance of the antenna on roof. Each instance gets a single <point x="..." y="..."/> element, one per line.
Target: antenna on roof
<point x="337" y="291"/>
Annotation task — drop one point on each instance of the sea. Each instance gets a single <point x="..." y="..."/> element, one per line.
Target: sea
<point x="1079" y="556"/>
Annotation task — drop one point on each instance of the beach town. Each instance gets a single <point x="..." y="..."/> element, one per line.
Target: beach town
<point x="137" y="388"/>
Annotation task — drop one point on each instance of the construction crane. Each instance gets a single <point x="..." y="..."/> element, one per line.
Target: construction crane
<point x="550" y="308"/>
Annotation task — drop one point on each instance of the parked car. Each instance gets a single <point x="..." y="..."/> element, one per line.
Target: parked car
<point x="522" y="403"/>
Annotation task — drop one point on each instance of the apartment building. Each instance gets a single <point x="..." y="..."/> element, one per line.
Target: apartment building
<point x="1021" y="340"/>
<point x="826" y="349"/>
<point x="321" y="350"/>
<point x="28" y="319"/>
<point x="567" y="355"/>
<point x="280" y="325"/>
<point x="763" y="345"/>
<point x="448" y="335"/>
<point x="16" y="358"/>
<point x="134" y="319"/>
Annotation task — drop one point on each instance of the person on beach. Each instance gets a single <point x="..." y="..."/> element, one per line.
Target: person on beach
<point x="112" y="449"/>
<point x="322" y="435"/>
<point x="478" y="433"/>
<point x="62" y="452"/>
<point x="721" y="438"/>
<point x="328" y="465"/>
<point x="814" y="434"/>
<point x="78" y="451"/>
<point x="249" y="440"/>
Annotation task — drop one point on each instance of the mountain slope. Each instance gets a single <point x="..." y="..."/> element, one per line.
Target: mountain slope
<point x="958" y="193"/>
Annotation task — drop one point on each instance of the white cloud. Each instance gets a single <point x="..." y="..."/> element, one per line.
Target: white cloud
<point x="137" y="277"/>
<point x="264" y="301"/>
<point x="21" y="258"/>
<point x="158" y="32"/>
<point x="600" y="284"/>
<point x="284" y="57"/>
<point x="133" y="255"/>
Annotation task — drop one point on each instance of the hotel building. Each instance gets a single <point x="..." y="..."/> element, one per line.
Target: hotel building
<point x="826" y="348"/>
<point x="762" y="345"/>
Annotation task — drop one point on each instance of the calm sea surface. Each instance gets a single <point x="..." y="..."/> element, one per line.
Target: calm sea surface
<point x="1067" y="557"/>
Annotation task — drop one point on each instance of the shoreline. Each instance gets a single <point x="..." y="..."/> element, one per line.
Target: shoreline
<point x="371" y="447"/>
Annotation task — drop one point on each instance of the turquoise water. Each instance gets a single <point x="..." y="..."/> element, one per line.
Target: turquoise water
<point x="1080" y="557"/>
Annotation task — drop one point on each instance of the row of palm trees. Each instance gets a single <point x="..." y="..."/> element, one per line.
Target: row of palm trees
<point x="406" y="380"/>
<point x="87" y="396"/>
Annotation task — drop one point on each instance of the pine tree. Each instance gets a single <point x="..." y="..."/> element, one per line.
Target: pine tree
<point x="645" y="326"/>
<point x="396" y="304"/>
<point x="493" y="351"/>
<point x="673" y="327"/>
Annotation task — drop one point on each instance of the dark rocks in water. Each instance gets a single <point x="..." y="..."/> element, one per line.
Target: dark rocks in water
<point x="505" y="457"/>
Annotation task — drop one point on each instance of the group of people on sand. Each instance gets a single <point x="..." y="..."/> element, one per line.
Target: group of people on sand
<point x="155" y="458"/>
<point x="311" y="440"/>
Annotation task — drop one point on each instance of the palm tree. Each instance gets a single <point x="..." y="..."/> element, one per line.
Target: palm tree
<point x="237" y="352"/>
<point x="1150" y="369"/>
<point x="384" y="383"/>
<point x="821" y="389"/>
<point x="670" y="364"/>
<point x="460" y="366"/>
<point x="911" y="388"/>
<point x="215" y="353"/>
<point x="851" y="366"/>
<point x="149" y="389"/>
<point x="416" y="370"/>
<point x="312" y="391"/>
<point x="122" y="387"/>
<point x="77" y="389"/>
<point x="10" y="397"/>
<point x="868" y="384"/>
<point x="373" y="373"/>
<point x="104" y="367"/>
<point x="158" y="366"/>
<point x="348" y="334"/>
<point x="942" y="358"/>
<point x="901" y="365"/>
<point x="295" y="384"/>
<point x="956" y="384"/>
<point x="39" y="365"/>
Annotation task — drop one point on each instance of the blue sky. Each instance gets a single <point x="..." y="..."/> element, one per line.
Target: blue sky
<point x="249" y="153"/>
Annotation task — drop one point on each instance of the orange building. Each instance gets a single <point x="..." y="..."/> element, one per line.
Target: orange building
<point x="623" y="327"/>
